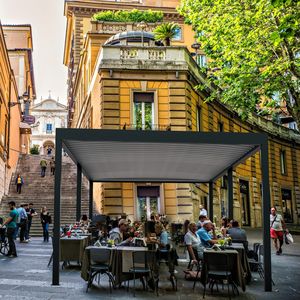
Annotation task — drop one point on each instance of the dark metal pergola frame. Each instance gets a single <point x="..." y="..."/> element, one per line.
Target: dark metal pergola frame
<point x="258" y="140"/>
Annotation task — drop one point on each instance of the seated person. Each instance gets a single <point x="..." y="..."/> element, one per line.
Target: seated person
<point x="193" y="243"/>
<point x="117" y="234"/>
<point x="164" y="237"/>
<point x="84" y="221"/>
<point x="225" y="226"/>
<point x="238" y="234"/>
<point x="202" y="218"/>
<point x="158" y="225"/>
<point x="151" y="225"/>
<point x="207" y="240"/>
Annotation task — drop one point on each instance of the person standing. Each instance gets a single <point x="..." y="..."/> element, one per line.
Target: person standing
<point x="43" y="164"/>
<point x="52" y="166"/>
<point x="23" y="223"/>
<point x="203" y="211"/>
<point x="45" y="220"/>
<point x="277" y="225"/>
<point x="30" y="214"/>
<point x="19" y="182"/>
<point x="49" y="151"/>
<point x="11" y="223"/>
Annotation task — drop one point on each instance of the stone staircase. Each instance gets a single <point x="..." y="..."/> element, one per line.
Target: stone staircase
<point x="40" y="190"/>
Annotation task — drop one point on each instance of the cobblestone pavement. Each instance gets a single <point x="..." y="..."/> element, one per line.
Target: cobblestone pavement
<point x="27" y="277"/>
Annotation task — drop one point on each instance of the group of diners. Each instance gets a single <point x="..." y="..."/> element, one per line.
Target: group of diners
<point x="122" y="232"/>
<point x="203" y="235"/>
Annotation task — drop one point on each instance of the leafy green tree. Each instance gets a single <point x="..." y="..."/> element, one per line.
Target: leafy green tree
<point x="254" y="51"/>
<point x="35" y="150"/>
<point x="166" y="32"/>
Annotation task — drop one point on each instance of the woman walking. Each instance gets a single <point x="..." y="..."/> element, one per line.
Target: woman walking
<point x="45" y="220"/>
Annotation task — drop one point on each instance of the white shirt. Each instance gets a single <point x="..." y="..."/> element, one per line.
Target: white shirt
<point x="277" y="225"/>
<point x="191" y="239"/>
<point x="203" y="212"/>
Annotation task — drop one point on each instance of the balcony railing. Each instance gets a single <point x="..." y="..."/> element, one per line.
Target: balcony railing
<point x="153" y="127"/>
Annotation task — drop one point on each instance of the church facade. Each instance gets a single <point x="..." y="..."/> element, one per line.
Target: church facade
<point x="49" y="114"/>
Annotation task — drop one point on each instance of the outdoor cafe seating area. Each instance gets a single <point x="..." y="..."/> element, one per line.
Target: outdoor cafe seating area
<point x="144" y="263"/>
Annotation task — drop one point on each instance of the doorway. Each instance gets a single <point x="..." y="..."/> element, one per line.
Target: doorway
<point x="287" y="207"/>
<point x="245" y="202"/>
<point x="148" y="202"/>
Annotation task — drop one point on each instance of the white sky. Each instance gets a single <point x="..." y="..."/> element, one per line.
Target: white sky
<point x="48" y="30"/>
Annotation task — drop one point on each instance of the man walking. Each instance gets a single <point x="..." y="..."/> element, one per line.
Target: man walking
<point x="277" y="225"/>
<point x="11" y="223"/>
<point x="43" y="164"/>
<point x="23" y="222"/>
<point x="30" y="214"/>
<point x="52" y="165"/>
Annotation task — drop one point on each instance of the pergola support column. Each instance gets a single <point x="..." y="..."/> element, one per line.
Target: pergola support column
<point x="266" y="203"/>
<point x="91" y="192"/>
<point x="211" y="201"/>
<point x="230" y="193"/>
<point x="78" y="199"/>
<point x="56" y="229"/>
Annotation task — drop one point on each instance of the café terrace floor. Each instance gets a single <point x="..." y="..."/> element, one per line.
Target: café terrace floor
<point x="27" y="277"/>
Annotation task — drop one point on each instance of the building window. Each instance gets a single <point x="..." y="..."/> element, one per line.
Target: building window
<point x="220" y="127"/>
<point x="148" y="202"/>
<point x="143" y="111"/>
<point x="283" y="162"/>
<point x="198" y="118"/>
<point x="48" y="128"/>
<point x="178" y="35"/>
<point x="201" y="60"/>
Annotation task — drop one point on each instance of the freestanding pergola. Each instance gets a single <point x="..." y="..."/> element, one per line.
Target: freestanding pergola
<point x="159" y="156"/>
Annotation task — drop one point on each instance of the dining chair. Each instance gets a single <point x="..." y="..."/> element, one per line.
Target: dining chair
<point x="139" y="267"/>
<point x="198" y="266"/>
<point x="218" y="268"/>
<point x="99" y="264"/>
<point x="252" y="256"/>
<point x="259" y="262"/>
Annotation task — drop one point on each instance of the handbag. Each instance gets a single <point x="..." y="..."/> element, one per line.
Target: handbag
<point x="288" y="238"/>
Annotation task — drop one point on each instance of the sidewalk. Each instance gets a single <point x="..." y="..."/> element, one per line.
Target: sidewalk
<point x="27" y="277"/>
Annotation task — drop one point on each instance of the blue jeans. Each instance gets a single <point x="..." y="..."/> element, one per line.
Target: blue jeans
<point x="43" y="171"/>
<point x="45" y="231"/>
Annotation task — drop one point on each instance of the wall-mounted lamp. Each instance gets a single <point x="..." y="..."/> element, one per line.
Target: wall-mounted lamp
<point x="24" y="97"/>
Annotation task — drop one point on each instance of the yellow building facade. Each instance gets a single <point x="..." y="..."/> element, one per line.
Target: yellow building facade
<point x="129" y="83"/>
<point x="16" y="78"/>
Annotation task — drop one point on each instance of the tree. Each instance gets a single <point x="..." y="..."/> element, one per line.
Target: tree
<point x="254" y="51"/>
<point x="166" y="32"/>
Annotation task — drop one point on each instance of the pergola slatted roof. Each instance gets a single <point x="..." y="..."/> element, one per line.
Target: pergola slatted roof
<point x="159" y="156"/>
<point x="146" y="161"/>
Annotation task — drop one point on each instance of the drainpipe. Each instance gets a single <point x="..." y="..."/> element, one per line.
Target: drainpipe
<point x="8" y="129"/>
<point x="9" y="114"/>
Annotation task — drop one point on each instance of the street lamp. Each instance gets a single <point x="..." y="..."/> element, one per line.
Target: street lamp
<point x="24" y="97"/>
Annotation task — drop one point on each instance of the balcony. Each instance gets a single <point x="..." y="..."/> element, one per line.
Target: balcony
<point x="175" y="58"/>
